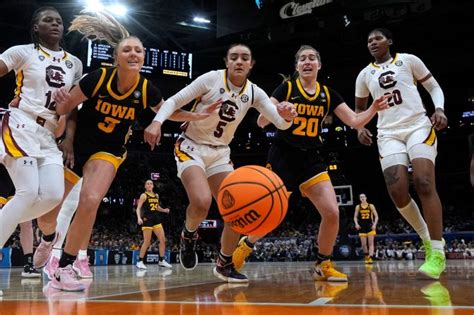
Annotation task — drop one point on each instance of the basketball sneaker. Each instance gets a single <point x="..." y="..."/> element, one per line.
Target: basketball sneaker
<point x="325" y="272"/>
<point x="437" y="294"/>
<point x="228" y="273"/>
<point x="428" y="249"/>
<point x="368" y="260"/>
<point x="241" y="253"/>
<point x="30" y="272"/>
<point x="434" y="265"/>
<point x="81" y="267"/>
<point x="43" y="252"/>
<point x="164" y="263"/>
<point x="141" y="265"/>
<point x="51" y="267"/>
<point x="66" y="279"/>
<point x="187" y="251"/>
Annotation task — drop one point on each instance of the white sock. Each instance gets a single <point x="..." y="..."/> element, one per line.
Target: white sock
<point x="437" y="246"/>
<point x="412" y="214"/>
<point x="57" y="252"/>
<point x="82" y="254"/>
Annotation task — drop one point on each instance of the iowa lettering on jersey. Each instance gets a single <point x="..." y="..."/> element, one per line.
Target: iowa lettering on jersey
<point x="307" y="122"/>
<point x="113" y="112"/>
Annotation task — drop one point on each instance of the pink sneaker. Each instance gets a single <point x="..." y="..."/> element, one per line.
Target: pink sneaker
<point x="43" y="252"/>
<point x="81" y="267"/>
<point x="51" y="267"/>
<point x="66" y="279"/>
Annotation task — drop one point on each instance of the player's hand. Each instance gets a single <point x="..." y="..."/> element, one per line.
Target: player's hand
<point x="61" y="97"/>
<point x="381" y="102"/>
<point x="67" y="147"/>
<point x="140" y="221"/>
<point x="166" y="210"/>
<point x="287" y="111"/>
<point x="364" y="136"/>
<point x="15" y="102"/>
<point x="357" y="226"/>
<point x="152" y="134"/>
<point x="439" y="119"/>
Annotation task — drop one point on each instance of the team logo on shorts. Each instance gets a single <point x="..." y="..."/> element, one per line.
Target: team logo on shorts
<point x="137" y="94"/>
<point x="244" y="98"/>
<point x="399" y="63"/>
<point x="222" y="91"/>
<point x="41" y="57"/>
<point x="228" y="200"/>
<point x="68" y="64"/>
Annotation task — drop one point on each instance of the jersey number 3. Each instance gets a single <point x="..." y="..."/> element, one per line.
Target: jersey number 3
<point x="108" y="125"/>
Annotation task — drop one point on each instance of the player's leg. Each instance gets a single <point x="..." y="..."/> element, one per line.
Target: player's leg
<point x="363" y="243"/>
<point x="370" y="239"/>
<point x="26" y="241"/>
<point x="160" y="234"/>
<point x="321" y="193"/>
<point x="145" y="245"/>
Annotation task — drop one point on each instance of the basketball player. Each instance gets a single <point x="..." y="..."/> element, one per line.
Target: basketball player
<point x="151" y="222"/>
<point x="406" y="135"/>
<point x="295" y="156"/>
<point x="112" y="98"/>
<point x="30" y="153"/>
<point x="365" y="219"/>
<point x="202" y="152"/>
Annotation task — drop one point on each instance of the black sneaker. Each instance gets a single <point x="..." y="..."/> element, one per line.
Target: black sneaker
<point x="229" y="274"/>
<point x="30" y="272"/>
<point x="187" y="252"/>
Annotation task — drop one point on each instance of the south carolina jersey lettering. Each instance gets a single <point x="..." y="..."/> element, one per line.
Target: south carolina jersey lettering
<point x="312" y="110"/>
<point x="57" y="69"/>
<point x="398" y="78"/>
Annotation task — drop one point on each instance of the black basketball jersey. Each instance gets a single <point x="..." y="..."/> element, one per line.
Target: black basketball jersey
<point x="312" y="110"/>
<point x="151" y="204"/>
<point x="365" y="215"/>
<point x="107" y="115"/>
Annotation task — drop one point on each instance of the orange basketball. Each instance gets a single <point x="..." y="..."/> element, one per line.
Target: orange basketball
<point x="253" y="199"/>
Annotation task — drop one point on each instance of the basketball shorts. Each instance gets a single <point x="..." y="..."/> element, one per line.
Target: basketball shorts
<point x="212" y="159"/>
<point x="152" y="221"/>
<point x="366" y="230"/>
<point x="85" y="151"/>
<point x="401" y="145"/>
<point x="7" y="189"/>
<point x="299" y="169"/>
<point x="23" y="136"/>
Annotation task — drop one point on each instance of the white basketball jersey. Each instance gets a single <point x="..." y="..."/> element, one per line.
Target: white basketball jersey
<point x="38" y="73"/>
<point x="397" y="77"/>
<point x="220" y="127"/>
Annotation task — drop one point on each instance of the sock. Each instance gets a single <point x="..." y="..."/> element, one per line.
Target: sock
<point x="57" y="252"/>
<point x="66" y="259"/>
<point x="320" y="258"/>
<point x="29" y="259"/>
<point x="437" y="246"/>
<point x="412" y="214"/>
<point x="224" y="259"/>
<point x="249" y="243"/>
<point x="161" y="258"/>
<point x="187" y="233"/>
<point x="49" y="238"/>
<point x="140" y="259"/>
<point x="82" y="254"/>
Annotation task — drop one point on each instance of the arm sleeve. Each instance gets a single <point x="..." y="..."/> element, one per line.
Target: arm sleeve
<point x="15" y="57"/>
<point x="197" y="88"/>
<point x="265" y="106"/>
<point x="281" y="92"/>
<point x="89" y="82"/>
<point x="361" y="88"/>
<point x="336" y="99"/>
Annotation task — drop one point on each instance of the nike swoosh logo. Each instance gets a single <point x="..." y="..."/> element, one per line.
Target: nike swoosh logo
<point x="318" y="272"/>
<point x="103" y="96"/>
<point x="295" y="97"/>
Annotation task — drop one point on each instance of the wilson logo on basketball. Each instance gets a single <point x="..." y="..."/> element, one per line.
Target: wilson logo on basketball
<point x="248" y="218"/>
<point x="228" y="200"/>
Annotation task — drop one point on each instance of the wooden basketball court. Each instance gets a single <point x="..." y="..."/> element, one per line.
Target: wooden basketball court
<point x="274" y="288"/>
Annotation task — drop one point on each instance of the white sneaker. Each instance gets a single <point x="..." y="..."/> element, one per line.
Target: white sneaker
<point x="141" y="265"/>
<point x="164" y="263"/>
